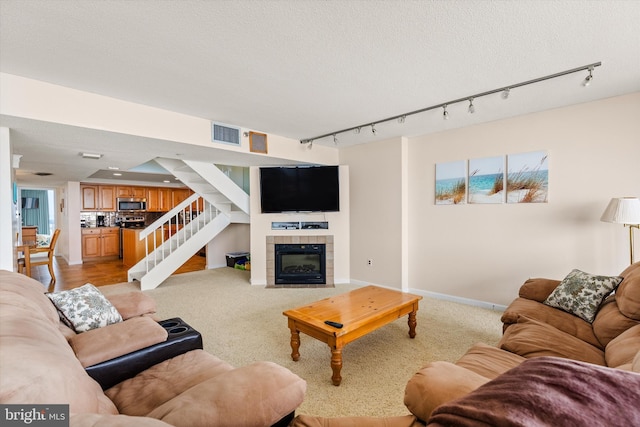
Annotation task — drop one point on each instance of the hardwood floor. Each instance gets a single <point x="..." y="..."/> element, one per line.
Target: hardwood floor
<point x="98" y="273"/>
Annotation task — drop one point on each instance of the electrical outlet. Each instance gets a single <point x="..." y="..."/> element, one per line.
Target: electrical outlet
<point x="369" y="262"/>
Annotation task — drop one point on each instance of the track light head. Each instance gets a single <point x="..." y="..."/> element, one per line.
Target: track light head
<point x="587" y="80"/>
<point x="506" y="93"/>
<point x="373" y="128"/>
<point x="402" y="119"/>
<point x="445" y="113"/>
<point x="472" y="108"/>
<point x="335" y="139"/>
<point x="357" y="130"/>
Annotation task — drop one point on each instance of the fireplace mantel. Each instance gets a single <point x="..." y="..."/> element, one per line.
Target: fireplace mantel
<point x="283" y="240"/>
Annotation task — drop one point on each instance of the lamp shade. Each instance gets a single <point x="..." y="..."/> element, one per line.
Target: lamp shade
<point x="622" y="210"/>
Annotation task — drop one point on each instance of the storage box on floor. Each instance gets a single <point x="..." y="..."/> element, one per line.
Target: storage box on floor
<point x="234" y="258"/>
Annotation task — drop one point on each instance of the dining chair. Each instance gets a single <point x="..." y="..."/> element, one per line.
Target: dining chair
<point x="48" y="260"/>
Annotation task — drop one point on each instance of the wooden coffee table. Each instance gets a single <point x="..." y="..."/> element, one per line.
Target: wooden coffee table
<point x="360" y="311"/>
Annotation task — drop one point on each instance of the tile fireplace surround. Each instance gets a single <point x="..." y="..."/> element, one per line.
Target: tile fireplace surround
<point x="284" y="240"/>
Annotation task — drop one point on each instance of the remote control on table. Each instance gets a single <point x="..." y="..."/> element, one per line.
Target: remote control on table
<point x="334" y="324"/>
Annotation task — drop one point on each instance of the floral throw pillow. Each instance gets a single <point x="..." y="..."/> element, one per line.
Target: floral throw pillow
<point x="84" y="308"/>
<point x="582" y="293"/>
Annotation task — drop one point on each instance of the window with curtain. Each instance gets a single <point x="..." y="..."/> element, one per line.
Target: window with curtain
<point x="37" y="216"/>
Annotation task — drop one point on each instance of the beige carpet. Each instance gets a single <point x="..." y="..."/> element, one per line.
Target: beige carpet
<point x="241" y="324"/>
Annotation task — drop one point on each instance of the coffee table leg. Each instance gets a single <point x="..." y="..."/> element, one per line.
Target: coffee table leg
<point x="295" y="344"/>
<point x="412" y="324"/>
<point x="336" y="365"/>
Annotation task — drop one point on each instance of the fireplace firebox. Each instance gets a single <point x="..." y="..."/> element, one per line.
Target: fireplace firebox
<point x="300" y="264"/>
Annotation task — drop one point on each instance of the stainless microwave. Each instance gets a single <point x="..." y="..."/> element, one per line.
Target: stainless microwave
<point x="131" y="204"/>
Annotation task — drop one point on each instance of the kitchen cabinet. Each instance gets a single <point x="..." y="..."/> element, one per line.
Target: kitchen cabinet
<point x="98" y="197"/>
<point x="133" y="249"/>
<point x="158" y="199"/>
<point x="137" y="192"/>
<point x="178" y="195"/>
<point x="100" y="242"/>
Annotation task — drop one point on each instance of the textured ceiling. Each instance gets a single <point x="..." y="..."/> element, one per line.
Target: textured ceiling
<point x="304" y="68"/>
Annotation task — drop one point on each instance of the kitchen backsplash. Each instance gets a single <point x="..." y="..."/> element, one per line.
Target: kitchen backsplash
<point x="112" y="219"/>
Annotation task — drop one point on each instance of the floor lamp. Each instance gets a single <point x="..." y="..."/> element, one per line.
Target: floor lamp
<point x="624" y="210"/>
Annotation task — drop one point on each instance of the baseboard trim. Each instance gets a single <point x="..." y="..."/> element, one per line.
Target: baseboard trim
<point x="444" y="297"/>
<point x="460" y="300"/>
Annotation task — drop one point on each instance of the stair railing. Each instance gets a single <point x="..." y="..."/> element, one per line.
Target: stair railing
<point x="173" y="229"/>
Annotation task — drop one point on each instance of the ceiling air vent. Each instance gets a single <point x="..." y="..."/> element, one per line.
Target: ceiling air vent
<point x="225" y="134"/>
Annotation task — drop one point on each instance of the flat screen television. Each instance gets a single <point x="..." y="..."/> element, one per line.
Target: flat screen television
<point x="30" y="202"/>
<point x="299" y="189"/>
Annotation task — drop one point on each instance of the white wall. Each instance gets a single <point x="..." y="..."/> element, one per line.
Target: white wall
<point x="33" y="99"/>
<point x="234" y="238"/>
<point x="8" y="220"/>
<point x="485" y="252"/>
<point x="376" y="215"/>
<point x="338" y="228"/>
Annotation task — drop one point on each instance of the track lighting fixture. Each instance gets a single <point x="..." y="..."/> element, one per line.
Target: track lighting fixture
<point x="335" y="139"/>
<point x="504" y="91"/>
<point x="310" y="146"/>
<point x="589" y="78"/>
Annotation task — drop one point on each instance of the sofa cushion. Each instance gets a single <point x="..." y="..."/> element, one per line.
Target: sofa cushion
<point x="84" y="308"/>
<point x="530" y="338"/>
<point x="489" y="361"/>
<point x="198" y="389"/>
<point x="162" y="382"/>
<point x="537" y="289"/>
<point x="622" y="350"/>
<point x="437" y="383"/>
<point x="581" y="293"/>
<point x="101" y="420"/>
<point x="628" y="293"/>
<point x="535" y="394"/>
<point x="559" y="319"/>
<point x="610" y="322"/>
<point x="132" y="304"/>
<point x="222" y="401"/>
<point x="98" y="345"/>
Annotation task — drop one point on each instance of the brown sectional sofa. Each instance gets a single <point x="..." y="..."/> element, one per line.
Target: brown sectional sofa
<point x="39" y="364"/>
<point x="543" y="349"/>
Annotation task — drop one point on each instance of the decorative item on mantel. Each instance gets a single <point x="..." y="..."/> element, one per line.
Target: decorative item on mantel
<point x="624" y="210"/>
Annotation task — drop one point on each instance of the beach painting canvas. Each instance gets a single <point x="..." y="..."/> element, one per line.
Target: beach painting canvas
<point x="451" y="183"/>
<point x="528" y="177"/>
<point x="486" y="180"/>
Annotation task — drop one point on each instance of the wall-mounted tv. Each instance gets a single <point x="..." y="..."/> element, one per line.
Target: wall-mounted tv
<point x="30" y="203"/>
<point x="299" y="189"/>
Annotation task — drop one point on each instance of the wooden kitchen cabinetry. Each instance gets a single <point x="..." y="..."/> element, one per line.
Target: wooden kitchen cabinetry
<point x="100" y="242"/>
<point x="98" y="197"/>
<point x="178" y="195"/>
<point x="133" y="249"/>
<point x="158" y="199"/>
<point x="138" y="192"/>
